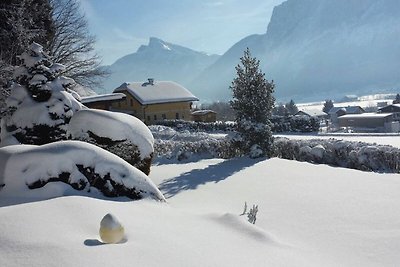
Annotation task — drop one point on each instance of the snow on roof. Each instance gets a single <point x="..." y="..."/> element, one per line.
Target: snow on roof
<point x="391" y="105"/>
<point x="203" y="112"/>
<point x="114" y="125"/>
<point x="104" y="97"/>
<point x="349" y="109"/>
<point x="157" y="92"/>
<point x="314" y="112"/>
<point x="366" y="115"/>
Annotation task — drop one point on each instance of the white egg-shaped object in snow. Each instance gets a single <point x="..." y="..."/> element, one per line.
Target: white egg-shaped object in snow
<point x="111" y="230"/>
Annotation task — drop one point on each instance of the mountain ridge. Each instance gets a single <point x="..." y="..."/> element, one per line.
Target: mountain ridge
<point x="159" y="60"/>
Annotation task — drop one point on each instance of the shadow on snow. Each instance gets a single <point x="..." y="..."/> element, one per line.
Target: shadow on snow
<point x="213" y="173"/>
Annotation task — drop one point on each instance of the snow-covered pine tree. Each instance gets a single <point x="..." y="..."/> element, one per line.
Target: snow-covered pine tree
<point x="253" y="103"/>
<point x="328" y="105"/>
<point x="291" y="107"/>
<point x="41" y="104"/>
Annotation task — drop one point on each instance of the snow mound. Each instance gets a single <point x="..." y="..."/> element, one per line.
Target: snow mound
<point x="113" y="125"/>
<point x="49" y="169"/>
<point x="241" y="225"/>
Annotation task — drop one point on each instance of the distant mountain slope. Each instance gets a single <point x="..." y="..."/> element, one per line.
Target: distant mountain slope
<point x="319" y="48"/>
<point x="159" y="60"/>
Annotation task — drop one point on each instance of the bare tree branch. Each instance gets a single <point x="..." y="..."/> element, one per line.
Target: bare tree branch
<point x="73" y="46"/>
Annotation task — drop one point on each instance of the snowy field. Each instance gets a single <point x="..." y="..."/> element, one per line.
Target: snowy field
<point x="309" y="215"/>
<point x="362" y="101"/>
<point x="392" y="140"/>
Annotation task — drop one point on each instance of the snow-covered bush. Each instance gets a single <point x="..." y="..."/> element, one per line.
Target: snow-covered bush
<point x="301" y="124"/>
<point x="42" y="109"/>
<point x="185" y="145"/>
<point x="49" y="169"/>
<point x="180" y="125"/>
<point x="121" y="134"/>
<point x="279" y="124"/>
<point x="40" y="105"/>
<point x="186" y="150"/>
<point x="354" y="155"/>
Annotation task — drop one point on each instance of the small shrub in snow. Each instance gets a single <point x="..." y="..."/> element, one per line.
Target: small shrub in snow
<point x="251" y="214"/>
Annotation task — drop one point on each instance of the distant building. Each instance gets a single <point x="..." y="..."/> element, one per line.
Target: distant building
<point x="336" y="112"/>
<point x="102" y="101"/>
<point x="153" y="101"/>
<point x="312" y="113"/>
<point x="390" y="108"/>
<point x="204" y="116"/>
<point x="374" y="122"/>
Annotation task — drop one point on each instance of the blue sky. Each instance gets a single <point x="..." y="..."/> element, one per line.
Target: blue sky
<point x="212" y="26"/>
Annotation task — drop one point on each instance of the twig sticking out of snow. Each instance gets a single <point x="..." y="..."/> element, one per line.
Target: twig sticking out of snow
<point x="251" y="214"/>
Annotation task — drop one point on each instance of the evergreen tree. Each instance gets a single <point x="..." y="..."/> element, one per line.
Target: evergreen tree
<point x="397" y="99"/>
<point x="21" y="23"/>
<point x="253" y="103"/>
<point x="40" y="104"/>
<point x="291" y="107"/>
<point x="328" y="105"/>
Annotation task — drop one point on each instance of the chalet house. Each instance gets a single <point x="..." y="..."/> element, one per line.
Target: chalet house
<point x="336" y="112"/>
<point x="204" y="116"/>
<point x="102" y="101"/>
<point x="371" y="122"/>
<point x="152" y="101"/>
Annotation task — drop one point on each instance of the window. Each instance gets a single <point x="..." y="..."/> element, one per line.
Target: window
<point x="177" y="116"/>
<point x="164" y="117"/>
<point x="131" y="102"/>
<point x="155" y="117"/>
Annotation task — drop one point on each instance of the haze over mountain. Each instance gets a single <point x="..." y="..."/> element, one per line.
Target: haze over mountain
<point x="317" y="49"/>
<point x="159" y="60"/>
<point x="312" y="49"/>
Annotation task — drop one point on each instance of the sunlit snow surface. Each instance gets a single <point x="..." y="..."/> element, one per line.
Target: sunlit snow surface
<point x="309" y="215"/>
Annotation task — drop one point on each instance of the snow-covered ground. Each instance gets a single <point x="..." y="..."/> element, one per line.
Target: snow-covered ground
<point x="309" y="215"/>
<point x="362" y="101"/>
<point x="392" y="140"/>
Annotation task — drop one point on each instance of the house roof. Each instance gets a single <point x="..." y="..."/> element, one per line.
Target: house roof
<point x="391" y="105"/>
<point x="312" y="112"/>
<point x="104" y="97"/>
<point x="348" y="109"/>
<point x="366" y="116"/>
<point x="155" y="92"/>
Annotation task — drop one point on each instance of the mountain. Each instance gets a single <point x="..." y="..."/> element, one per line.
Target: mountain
<point x="317" y="49"/>
<point x="159" y="60"/>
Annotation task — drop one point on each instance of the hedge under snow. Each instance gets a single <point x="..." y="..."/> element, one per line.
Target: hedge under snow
<point x="83" y="166"/>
